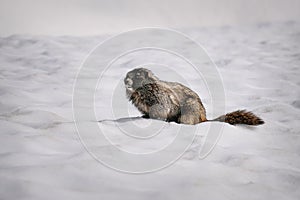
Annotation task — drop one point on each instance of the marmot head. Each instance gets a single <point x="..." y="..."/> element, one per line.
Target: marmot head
<point x="138" y="77"/>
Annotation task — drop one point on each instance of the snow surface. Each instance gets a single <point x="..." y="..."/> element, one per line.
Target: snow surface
<point x="41" y="156"/>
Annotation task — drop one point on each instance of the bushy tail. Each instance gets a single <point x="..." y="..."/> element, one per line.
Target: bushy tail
<point x="240" y="117"/>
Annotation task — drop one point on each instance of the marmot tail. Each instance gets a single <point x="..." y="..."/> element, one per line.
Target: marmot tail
<point x="240" y="117"/>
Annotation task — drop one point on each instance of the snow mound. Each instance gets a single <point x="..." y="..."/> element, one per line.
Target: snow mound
<point x="41" y="155"/>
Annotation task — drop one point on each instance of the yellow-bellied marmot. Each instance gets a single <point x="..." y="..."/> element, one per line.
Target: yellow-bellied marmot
<point x="171" y="101"/>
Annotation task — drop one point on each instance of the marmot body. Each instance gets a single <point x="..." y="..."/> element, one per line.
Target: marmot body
<point x="172" y="101"/>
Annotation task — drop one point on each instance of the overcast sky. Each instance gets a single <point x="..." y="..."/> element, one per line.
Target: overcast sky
<point x="90" y="17"/>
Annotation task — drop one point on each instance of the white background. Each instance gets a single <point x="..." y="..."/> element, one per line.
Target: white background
<point x="90" y="17"/>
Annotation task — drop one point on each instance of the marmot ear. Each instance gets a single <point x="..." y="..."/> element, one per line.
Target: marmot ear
<point x="147" y="74"/>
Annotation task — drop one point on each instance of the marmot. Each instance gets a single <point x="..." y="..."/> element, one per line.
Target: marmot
<point x="172" y="101"/>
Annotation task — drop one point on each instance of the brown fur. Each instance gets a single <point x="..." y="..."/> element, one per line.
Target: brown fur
<point x="172" y="101"/>
<point x="240" y="117"/>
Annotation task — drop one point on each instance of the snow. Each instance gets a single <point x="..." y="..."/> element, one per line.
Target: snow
<point x="41" y="156"/>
